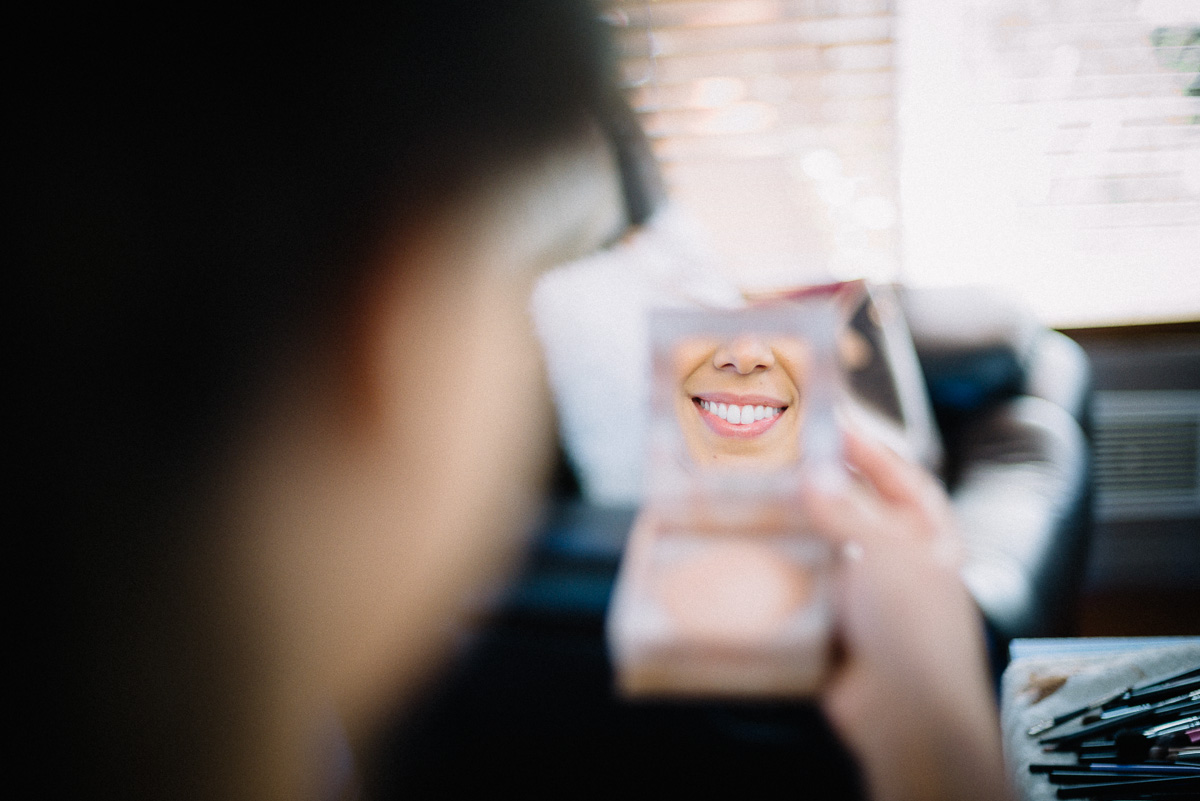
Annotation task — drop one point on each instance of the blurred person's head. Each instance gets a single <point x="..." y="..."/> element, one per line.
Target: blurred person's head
<point x="287" y="410"/>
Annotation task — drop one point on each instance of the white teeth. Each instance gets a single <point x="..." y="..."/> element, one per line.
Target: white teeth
<point x="740" y="415"/>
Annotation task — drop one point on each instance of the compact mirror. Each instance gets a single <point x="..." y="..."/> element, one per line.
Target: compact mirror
<point x="724" y="589"/>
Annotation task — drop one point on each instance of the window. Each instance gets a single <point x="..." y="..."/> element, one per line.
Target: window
<point x="1049" y="147"/>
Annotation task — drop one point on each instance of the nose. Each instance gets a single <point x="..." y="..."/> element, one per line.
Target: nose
<point x="744" y="355"/>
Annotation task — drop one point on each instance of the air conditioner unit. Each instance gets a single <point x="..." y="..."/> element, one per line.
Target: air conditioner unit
<point x="1147" y="479"/>
<point x="1147" y="455"/>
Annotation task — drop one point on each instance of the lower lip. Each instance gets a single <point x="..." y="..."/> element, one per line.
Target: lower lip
<point x="743" y="431"/>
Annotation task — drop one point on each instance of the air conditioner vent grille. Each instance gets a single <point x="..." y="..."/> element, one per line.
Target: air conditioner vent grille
<point x="1147" y="455"/>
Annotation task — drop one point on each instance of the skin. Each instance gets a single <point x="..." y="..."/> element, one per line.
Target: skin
<point x="386" y="481"/>
<point x="911" y="694"/>
<point x="750" y="369"/>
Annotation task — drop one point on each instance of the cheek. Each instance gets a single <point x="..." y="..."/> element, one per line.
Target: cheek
<point x="475" y="415"/>
<point x="506" y="443"/>
<point x="689" y="364"/>
<point x="446" y="511"/>
<point x="796" y="359"/>
<point x="690" y="361"/>
<point x="479" y="454"/>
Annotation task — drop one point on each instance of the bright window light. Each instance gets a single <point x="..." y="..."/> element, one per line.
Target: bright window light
<point x="1050" y="148"/>
<point x="1053" y="149"/>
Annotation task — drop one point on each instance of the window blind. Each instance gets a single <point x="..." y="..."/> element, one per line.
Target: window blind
<point x="774" y="123"/>
<point x="1048" y="147"/>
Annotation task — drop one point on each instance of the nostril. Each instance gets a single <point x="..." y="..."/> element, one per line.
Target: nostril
<point x="745" y="355"/>
<point x="746" y="364"/>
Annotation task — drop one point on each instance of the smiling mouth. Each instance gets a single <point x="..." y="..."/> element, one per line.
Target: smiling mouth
<point x="738" y="420"/>
<point x="739" y="415"/>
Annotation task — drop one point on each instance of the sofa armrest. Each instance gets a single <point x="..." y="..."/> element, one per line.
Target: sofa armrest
<point x="974" y="345"/>
<point x="1059" y="371"/>
<point x="1022" y="499"/>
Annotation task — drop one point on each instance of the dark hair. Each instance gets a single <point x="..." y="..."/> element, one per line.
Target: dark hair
<point x="202" y="195"/>
<point x="203" y="190"/>
<point x="201" y="186"/>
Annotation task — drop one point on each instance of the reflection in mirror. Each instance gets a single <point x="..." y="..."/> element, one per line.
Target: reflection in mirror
<point x="724" y="589"/>
<point x="740" y="399"/>
<point x="741" y="392"/>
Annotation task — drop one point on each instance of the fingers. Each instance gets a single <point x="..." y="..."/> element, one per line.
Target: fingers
<point x="890" y="501"/>
<point x="893" y="478"/>
<point x="843" y="516"/>
<point x="907" y="487"/>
